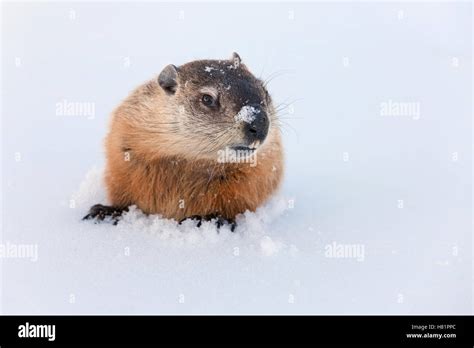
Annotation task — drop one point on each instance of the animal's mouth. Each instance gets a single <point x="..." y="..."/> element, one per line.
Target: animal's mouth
<point x="250" y="148"/>
<point x="243" y="148"/>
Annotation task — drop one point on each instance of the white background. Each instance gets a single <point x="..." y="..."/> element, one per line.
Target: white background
<point x="417" y="258"/>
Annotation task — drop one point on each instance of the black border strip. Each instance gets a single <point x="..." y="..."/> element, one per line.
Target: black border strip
<point x="261" y="330"/>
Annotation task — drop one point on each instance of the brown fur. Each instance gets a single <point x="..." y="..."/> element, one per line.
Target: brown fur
<point x="159" y="160"/>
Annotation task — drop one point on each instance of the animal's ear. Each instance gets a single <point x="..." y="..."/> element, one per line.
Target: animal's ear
<point x="236" y="59"/>
<point x="168" y="79"/>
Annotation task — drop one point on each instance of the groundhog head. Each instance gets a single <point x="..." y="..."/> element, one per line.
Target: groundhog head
<point x="212" y="105"/>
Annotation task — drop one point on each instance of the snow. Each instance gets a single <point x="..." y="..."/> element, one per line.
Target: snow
<point x="209" y="69"/>
<point x="361" y="175"/>
<point x="269" y="247"/>
<point x="250" y="228"/>
<point x="246" y="114"/>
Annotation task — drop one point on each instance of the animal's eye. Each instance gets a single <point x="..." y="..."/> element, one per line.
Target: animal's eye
<point x="208" y="100"/>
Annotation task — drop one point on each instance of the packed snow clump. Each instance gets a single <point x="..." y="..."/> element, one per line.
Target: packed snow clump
<point x="247" y="114"/>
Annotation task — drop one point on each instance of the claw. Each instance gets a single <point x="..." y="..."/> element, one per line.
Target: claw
<point x="220" y="221"/>
<point x="100" y="212"/>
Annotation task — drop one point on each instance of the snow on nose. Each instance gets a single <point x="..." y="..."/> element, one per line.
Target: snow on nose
<point x="247" y="114"/>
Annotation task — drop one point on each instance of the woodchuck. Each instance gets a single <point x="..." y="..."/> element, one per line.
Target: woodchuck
<point x="199" y="141"/>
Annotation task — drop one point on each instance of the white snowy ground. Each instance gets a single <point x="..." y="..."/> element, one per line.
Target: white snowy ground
<point x="398" y="186"/>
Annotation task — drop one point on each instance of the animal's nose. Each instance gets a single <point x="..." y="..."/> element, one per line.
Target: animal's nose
<point x="257" y="129"/>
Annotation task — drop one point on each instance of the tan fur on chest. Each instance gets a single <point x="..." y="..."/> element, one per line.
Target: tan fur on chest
<point x="179" y="188"/>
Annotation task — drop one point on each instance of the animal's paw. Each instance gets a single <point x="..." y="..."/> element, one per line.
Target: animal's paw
<point x="219" y="220"/>
<point x="101" y="212"/>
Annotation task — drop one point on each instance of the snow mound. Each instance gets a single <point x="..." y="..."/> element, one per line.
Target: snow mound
<point x="252" y="227"/>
